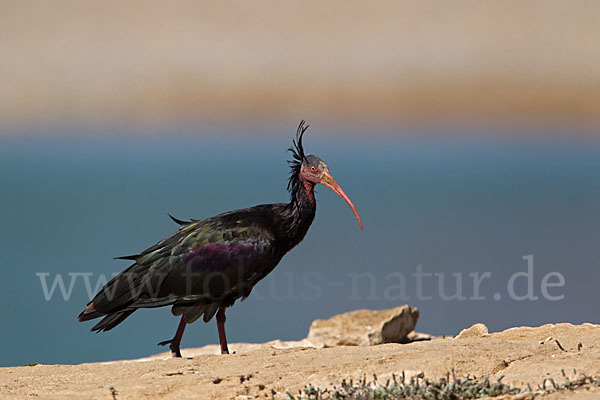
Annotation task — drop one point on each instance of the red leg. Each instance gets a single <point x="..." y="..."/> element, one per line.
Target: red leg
<point x="221" y="328"/>
<point x="174" y="343"/>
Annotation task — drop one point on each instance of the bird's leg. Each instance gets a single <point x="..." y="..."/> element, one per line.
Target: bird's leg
<point x="221" y="328"/>
<point x="174" y="343"/>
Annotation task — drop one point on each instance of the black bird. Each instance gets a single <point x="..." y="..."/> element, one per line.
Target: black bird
<point x="208" y="264"/>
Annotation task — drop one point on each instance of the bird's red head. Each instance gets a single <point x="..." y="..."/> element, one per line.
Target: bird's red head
<point x="314" y="170"/>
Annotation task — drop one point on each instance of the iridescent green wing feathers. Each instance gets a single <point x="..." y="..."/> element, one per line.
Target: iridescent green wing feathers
<point x="216" y="260"/>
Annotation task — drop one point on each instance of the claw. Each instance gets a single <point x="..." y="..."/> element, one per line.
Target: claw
<point x="175" y="352"/>
<point x="174" y="343"/>
<point x="173" y="346"/>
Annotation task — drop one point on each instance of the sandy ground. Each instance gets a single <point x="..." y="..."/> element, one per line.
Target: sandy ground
<point x="258" y="370"/>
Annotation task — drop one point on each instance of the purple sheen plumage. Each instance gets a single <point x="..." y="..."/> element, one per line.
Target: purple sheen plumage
<point x="221" y="256"/>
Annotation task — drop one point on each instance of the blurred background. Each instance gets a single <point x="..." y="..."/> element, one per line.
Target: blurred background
<point x="465" y="132"/>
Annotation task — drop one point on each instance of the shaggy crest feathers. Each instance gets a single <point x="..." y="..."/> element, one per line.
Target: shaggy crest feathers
<point x="297" y="151"/>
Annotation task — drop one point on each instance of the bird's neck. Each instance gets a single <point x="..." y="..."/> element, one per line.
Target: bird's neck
<point x="300" y="212"/>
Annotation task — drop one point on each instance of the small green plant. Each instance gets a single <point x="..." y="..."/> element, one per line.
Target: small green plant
<point x="447" y="388"/>
<point x="417" y="387"/>
<point x="549" y="385"/>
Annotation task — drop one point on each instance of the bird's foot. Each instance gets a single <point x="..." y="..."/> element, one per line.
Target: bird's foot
<point x="173" y="346"/>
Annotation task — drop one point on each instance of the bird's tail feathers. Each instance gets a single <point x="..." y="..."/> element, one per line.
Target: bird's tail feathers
<point x="89" y="313"/>
<point x="110" y="321"/>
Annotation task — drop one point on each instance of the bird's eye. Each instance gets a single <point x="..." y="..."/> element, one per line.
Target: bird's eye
<point x="313" y="168"/>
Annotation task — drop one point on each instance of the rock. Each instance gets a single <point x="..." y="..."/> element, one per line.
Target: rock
<point x="476" y="330"/>
<point x="364" y="327"/>
<point x="417" y="337"/>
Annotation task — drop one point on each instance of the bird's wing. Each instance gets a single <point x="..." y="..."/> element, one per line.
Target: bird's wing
<point x="213" y="260"/>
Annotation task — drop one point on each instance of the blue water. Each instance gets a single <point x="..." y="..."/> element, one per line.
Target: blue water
<point x="450" y="206"/>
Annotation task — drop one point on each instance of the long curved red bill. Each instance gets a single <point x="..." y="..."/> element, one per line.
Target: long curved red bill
<point x="327" y="180"/>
